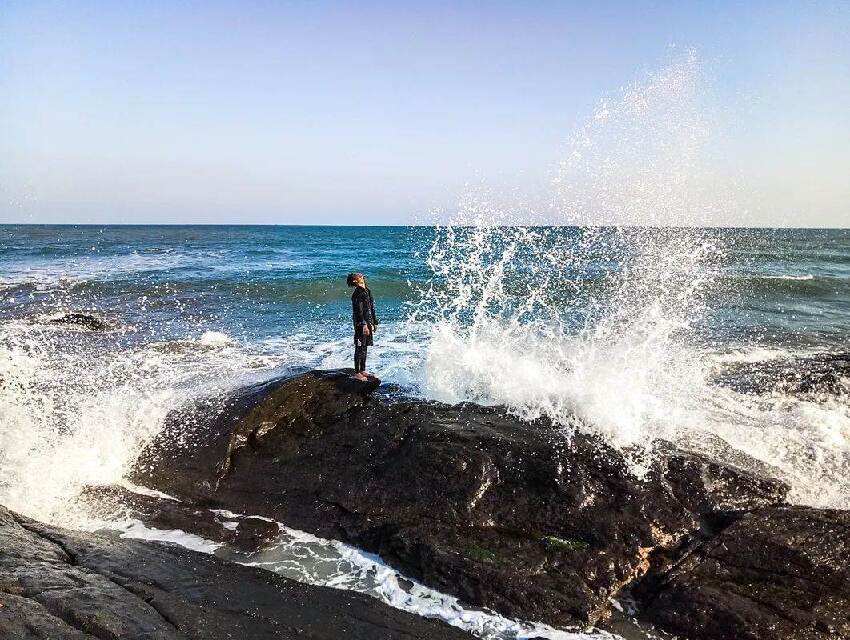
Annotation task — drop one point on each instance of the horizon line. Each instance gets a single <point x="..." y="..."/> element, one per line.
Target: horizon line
<point x="409" y="226"/>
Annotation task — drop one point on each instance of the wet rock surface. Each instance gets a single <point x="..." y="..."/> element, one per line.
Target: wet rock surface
<point x="64" y="585"/>
<point x="772" y="574"/>
<point x="469" y="500"/>
<point x="824" y="374"/>
<point x="245" y="533"/>
<point x="82" y="320"/>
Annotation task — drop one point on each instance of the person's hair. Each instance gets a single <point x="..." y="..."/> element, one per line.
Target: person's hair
<point x="351" y="280"/>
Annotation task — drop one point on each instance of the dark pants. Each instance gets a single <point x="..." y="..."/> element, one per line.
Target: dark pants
<point x="361" y="342"/>
<point x="360" y="359"/>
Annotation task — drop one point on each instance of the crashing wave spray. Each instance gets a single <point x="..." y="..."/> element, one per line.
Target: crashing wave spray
<point x="604" y="328"/>
<point x="642" y="158"/>
<point x="75" y="412"/>
<point x="588" y="325"/>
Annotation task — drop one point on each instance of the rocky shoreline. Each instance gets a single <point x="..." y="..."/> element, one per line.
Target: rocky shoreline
<point x="66" y="585"/>
<point x="508" y="515"/>
<point x="468" y="500"/>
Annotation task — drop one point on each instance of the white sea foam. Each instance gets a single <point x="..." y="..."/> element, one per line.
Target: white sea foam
<point x="145" y="491"/>
<point x="215" y="339"/>
<point x="807" y="276"/>
<point x="307" y="558"/>
<point x="139" y="531"/>
<point x="76" y="412"/>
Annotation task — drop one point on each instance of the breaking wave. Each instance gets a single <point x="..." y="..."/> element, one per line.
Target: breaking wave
<point x="604" y="328"/>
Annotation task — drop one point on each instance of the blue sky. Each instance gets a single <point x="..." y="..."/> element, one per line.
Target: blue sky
<point x="377" y="113"/>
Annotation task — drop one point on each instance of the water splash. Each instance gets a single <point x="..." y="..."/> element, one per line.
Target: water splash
<point x="602" y="328"/>
<point x="553" y="321"/>
<point x="75" y="412"/>
<point x="644" y="158"/>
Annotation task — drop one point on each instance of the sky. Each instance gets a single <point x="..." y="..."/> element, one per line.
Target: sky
<point x="385" y="112"/>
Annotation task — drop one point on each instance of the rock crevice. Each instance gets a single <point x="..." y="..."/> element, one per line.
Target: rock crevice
<point x="64" y="585"/>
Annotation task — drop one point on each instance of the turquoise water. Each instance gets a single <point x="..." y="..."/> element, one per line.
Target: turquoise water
<point x="251" y="282"/>
<point x="776" y="287"/>
<point x="619" y="332"/>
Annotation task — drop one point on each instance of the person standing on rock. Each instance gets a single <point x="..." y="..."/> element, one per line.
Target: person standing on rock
<point x="365" y="321"/>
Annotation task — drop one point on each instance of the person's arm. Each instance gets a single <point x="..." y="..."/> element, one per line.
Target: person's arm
<point x="360" y="311"/>
<point x="372" y="307"/>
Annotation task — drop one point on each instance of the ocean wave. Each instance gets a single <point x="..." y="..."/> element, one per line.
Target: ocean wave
<point x="763" y="288"/>
<point x="807" y="276"/>
<point x="632" y="392"/>
<point x="636" y="365"/>
<point x="813" y="379"/>
<point x="83" y="405"/>
<point x="247" y="287"/>
<point x="138" y="265"/>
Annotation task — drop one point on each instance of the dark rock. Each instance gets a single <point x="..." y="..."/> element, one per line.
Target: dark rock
<point x="773" y="574"/>
<point x="470" y="500"/>
<point x="159" y="513"/>
<point x="66" y="585"/>
<point x="820" y="374"/>
<point x="706" y="486"/>
<point x="254" y="533"/>
<point x="83" y="320"/>
<point x="247" y="534"/>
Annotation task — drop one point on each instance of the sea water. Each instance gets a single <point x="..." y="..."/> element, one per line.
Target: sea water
<point x="193" y="310"/>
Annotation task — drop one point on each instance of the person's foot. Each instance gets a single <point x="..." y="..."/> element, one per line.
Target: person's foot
<point x="360" y="376"/>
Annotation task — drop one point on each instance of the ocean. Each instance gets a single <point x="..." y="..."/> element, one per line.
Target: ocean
<point x="637" y="334"/>
<point x="555" y="321"/>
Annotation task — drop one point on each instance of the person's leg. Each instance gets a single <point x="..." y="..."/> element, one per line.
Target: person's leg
<point x="358" y="358"/>
<point x="363" y="359"/>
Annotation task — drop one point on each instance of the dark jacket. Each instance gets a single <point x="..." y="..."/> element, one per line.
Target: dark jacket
<point x="363" y="307"/>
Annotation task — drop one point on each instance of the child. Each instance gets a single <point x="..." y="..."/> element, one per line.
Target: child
<point x="365" y="321"/>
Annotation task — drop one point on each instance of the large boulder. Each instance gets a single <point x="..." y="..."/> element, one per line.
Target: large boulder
<point x="515" y="516"/>
<point x="65" y="585"/>
<point x="773" y="574"/>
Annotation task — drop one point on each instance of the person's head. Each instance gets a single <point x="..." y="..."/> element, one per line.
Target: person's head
<point x="356" y="280"/>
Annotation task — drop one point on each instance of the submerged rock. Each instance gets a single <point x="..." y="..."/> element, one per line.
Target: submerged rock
<point x="66" y="585"/>
<point x="773" y="574"/>
<point x="83" y="320"/>
<point x="469" y="500"/>
<point x="253" y="533"/>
